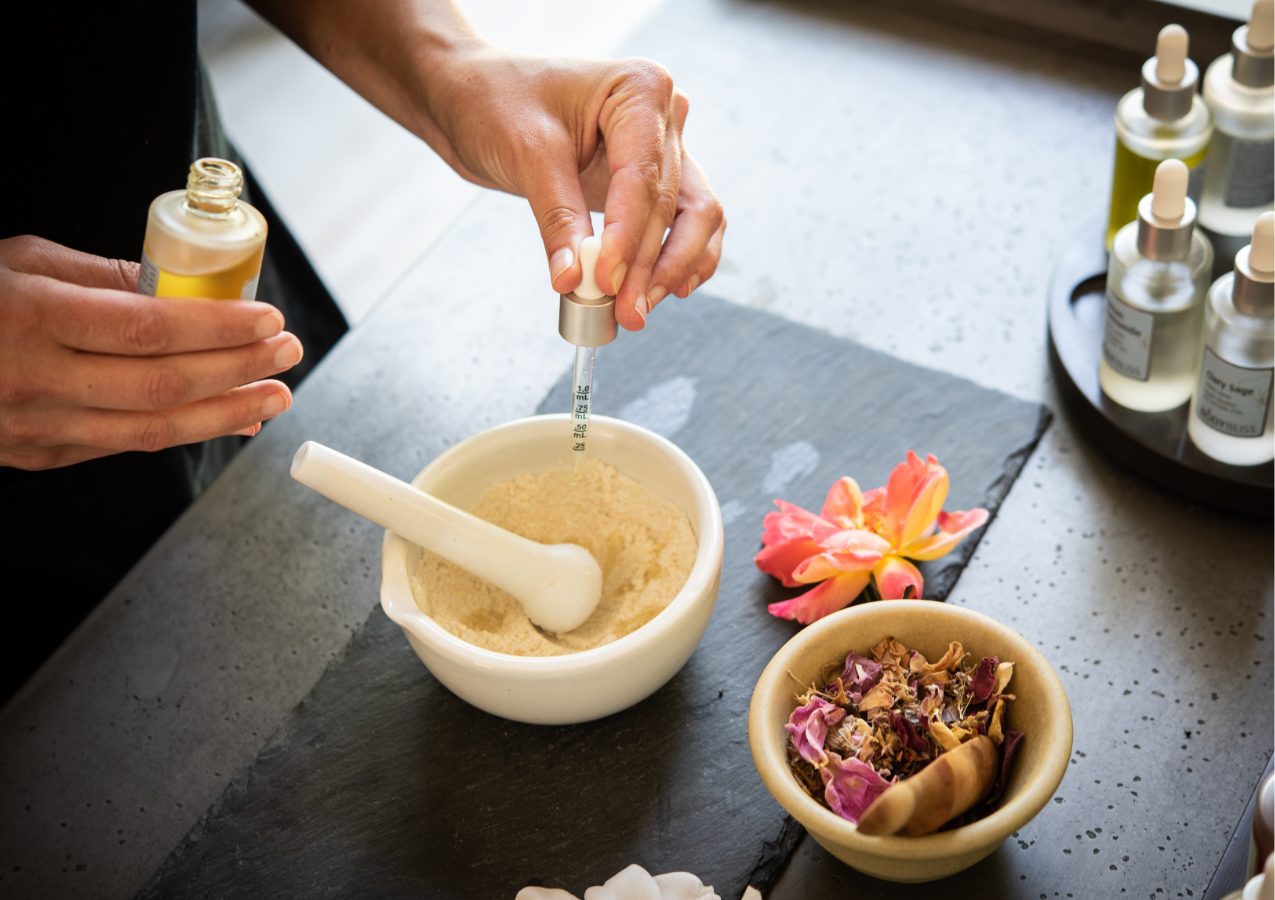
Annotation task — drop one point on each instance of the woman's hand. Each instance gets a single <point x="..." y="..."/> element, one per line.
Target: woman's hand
<point x="574" y="135"/>
<point x="570" y="135"/>
<point x="89" y="368"/>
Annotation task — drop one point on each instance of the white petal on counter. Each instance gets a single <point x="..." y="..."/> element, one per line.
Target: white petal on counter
<point x="633" y="883"/>
<point x="684" y="886"/>
<point x="542" y="893"/>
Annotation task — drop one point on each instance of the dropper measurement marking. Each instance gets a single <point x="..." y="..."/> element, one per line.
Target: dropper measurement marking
<point x="582" y="398"/>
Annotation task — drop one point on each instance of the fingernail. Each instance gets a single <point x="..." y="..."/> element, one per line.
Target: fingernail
<point x="561" y="260"/>
<point x="655" y="295"/>
<point x="269" y="324"/>
<point x="617" y="277"/>
<point x="288" y="355"/>
<point x="642" y="306"/>
<point x="273" y="405"/>
<point x="250" y="431"/>
<point x="692" y="284"/>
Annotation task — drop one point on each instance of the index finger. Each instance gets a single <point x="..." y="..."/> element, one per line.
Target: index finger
<point x="100" y="320"/>
<point x="634" y="124"/>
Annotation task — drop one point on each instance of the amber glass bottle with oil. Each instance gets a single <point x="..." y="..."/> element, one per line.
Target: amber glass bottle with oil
<point x="203" y="241"/>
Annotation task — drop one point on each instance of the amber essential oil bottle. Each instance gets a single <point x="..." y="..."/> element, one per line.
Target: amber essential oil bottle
<point x="203" y="241"/>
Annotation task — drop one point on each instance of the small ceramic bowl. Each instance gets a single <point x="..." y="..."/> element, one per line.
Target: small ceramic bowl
<point x="590" y="684"/>
<point x="1041" y="712"/>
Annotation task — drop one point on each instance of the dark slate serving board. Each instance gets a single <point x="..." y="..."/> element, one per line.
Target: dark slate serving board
<point x="381" y="783"/>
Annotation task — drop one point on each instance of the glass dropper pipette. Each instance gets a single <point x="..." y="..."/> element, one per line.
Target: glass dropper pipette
<point x="586" y="318"/>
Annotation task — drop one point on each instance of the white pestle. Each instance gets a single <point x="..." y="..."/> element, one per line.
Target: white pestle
<point x="558" y="585"/>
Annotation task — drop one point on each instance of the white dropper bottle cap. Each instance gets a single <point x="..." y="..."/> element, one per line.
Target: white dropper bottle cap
<point x="1253" y="47"/>
<point x="586" y="316"/>
<point x="1261" y="26"/>
<point x="1169" y="78"/>
<point x="1261" y="257"/>
<point x="1253" y="291"/>
<point x="1166" y="216"/>
<point x="1171" y="48"/>
<point x="1168" y="192"/>
<point x="590" y="247"/>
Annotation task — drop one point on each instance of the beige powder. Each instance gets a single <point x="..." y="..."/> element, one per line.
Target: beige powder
<point x="643" y="543"/>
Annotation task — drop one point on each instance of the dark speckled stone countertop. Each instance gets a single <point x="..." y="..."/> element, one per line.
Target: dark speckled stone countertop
<point x="907" y="185"/>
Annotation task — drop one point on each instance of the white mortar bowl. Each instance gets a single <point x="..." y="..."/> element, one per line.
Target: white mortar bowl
<point x="590" y="684"/>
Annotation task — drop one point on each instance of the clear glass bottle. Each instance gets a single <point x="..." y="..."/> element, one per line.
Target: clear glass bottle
<point x="1162" y="119"/>
<point x="1231" y="412"/>
<point x="1239" y="181"/>
<point x="1156" y="282"/>
<point x="203" y="241"/>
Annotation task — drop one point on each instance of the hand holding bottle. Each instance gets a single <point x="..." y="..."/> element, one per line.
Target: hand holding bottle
<point x="89" y="368"/>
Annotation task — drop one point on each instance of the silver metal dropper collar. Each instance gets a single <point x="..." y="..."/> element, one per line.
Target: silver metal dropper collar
<point x="1168" y="101"/>
<point x="587" y="323"/>
<point x="1252" y="292"/>
<point x="1163" y="239"/>
<point x="1251" y="68"/>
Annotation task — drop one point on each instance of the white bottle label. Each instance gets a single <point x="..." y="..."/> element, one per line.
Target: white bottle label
<point x="1252" y="181"/>
<point x="1232" y="399"/>
<point x="147" y="276"/>
<point x="1126" y="339"/>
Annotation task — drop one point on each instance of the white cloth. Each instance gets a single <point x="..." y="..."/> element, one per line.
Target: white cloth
<point x="635" y="883"/>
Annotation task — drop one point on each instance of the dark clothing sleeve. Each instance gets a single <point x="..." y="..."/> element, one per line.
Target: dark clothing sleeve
<point x="104" y="107"/>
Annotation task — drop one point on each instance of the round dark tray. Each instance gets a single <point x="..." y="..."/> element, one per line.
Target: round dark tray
<point x="1153" y="445"/>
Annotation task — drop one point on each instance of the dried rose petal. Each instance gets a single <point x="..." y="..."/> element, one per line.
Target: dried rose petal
<point x="809" y="725"/>
<point x="850" y="786"/>
<point x="1008" y="749"/>
<point x="984" y="679"/>
<point x="861" y="675"/>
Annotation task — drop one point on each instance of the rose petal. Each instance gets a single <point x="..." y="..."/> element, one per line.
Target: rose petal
<point x="954" y="527"/>
<point x="808" y="725"/>
<point x="791" y="522"/>
<point x="894" y="577"/>
<point x="899" y="492"/>
<point x="845" y="552"/>
<point x="828" y="597"/>
<point x="844" y="503"/>
<point x="782" y="559"/>
<point x="927" y="502"/>
<point x="850" y="786"/>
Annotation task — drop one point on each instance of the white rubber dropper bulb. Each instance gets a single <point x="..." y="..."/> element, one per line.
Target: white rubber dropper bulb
<point x="1170" y="54"/>
<point x="1261" y="254"/>
<point x="1168" y="194"/>
<point x="590" y="247"/>
<point x="1261" y="26"/>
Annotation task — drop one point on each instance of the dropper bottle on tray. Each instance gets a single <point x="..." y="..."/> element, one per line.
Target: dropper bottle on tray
<point x="1156" y="282"/>
<point x="1230" y="417"/>
<point x="1239" y="176"/>
<point x="1162" y="119"/>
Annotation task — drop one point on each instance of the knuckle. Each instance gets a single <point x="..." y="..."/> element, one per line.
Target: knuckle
<point x="40" y="460"/>
<point x="14" y="390"/>
<point x="24" y="245"/>
<point x="163" y="387"/>
<point x="555" y="221"/>
<point x="156" y="433"/>
<point x="666" y="203"/>
<point x="711" y="210"/>
<point x="126" y="273"/>
<point x="648" y="173"/>
<point x="146" y="331"/>
<point x="23" y="431"/>
<point x="654" y="77"/>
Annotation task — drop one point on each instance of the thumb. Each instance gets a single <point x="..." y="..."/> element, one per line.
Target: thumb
<point x="557" y="201"/>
